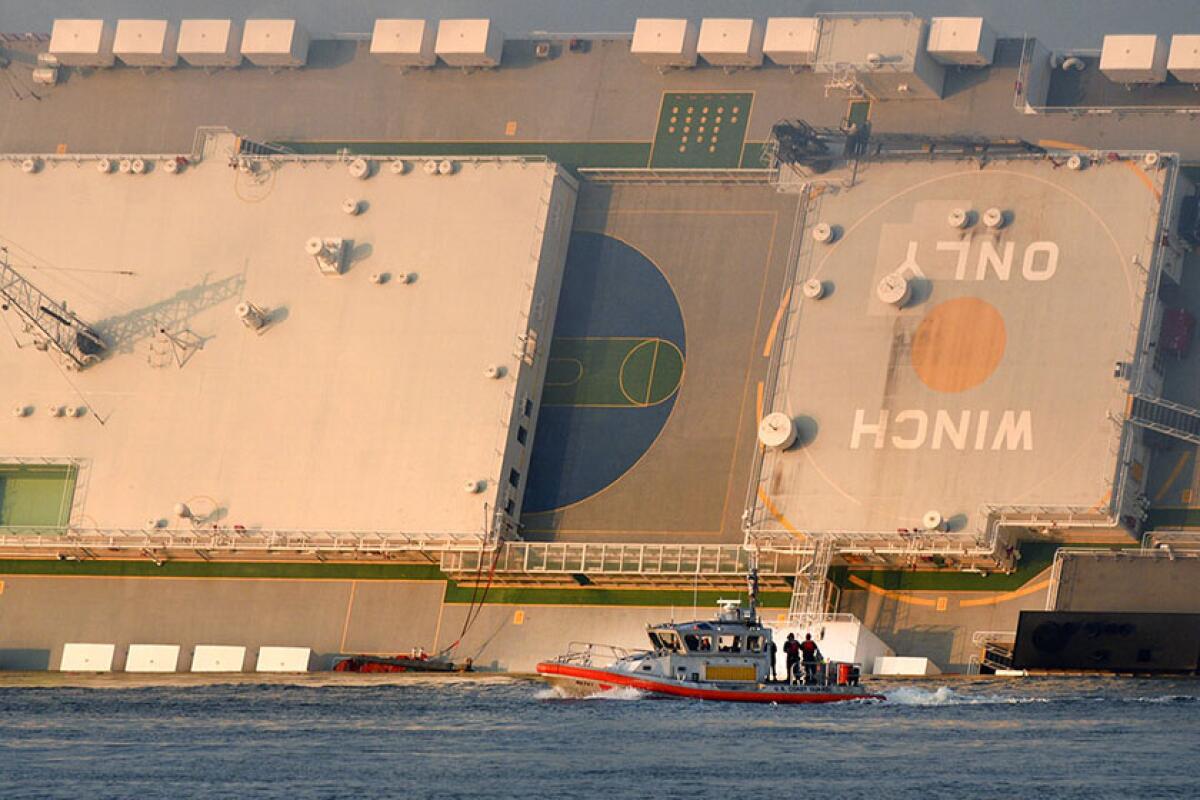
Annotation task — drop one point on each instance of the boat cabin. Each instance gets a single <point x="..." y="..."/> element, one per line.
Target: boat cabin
<point x="733" y="647"/>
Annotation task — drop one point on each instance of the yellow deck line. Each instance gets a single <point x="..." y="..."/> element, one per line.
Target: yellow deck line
<point x="1055" y="144"/>
<point x="783" y="304"/>
<point x="891" y="595"/>
<point x="349" y="609"/>
<point x="1166" y="487"/>
<point x="1144" y="178"/>
<point x="774" y="512"/>
<point x="1004" y="598"/>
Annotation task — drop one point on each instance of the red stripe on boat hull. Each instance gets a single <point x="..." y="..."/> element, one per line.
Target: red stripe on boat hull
<point x="607" y="680"/>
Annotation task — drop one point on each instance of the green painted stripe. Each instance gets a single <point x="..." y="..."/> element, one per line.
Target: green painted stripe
<point x="223" y="569"/>
<point x="677" y="598"/>
<point x="1035" y="557"/>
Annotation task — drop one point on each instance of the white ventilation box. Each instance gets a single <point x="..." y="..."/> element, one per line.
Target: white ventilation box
<point x="1184" y="61"/>
<point x="283" y="659"/>
<point x="665" y="42"/>
<point x="731" y="42"/>
<point x="146" y="42"/>
<point x="904" y="665"/>
<point x="961" y="41"/>
<point x="1134" y="59"/>
<point x="82" y="42"/>
<point x="210" y="42"/>
<point x="218" y="658"/>
<point x="275" y="43"/>
<point x="792" y="41"/>
<point x="79" y="657"/>
<point x="152" y="658"/>
<point x="469" y="43"/>
<point x="404" y="42"/>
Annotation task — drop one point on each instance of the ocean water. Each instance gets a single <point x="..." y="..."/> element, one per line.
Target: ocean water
<point x="487" y="737"/>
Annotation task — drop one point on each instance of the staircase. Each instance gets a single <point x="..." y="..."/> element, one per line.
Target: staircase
<point x="809" y="593"/>
<point x="1163" y="416"/>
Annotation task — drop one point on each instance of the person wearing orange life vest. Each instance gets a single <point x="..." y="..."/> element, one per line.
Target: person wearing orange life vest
<point x="810" y="654"/>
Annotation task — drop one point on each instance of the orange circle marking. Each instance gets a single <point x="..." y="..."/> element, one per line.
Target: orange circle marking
<point x="958" y="345"/>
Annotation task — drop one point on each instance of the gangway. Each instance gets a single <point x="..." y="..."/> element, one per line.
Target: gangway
<point x="50" y="322"/>
<point x="1163" y="416"/>
<point x="809" y="593"/>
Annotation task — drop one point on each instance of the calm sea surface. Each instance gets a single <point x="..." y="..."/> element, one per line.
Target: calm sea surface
<point x="499" y="738"/>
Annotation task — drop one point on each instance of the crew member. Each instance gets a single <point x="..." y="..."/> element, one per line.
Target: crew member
<point x="810" y="654"/>
<point x="791" y="650"/>
<point x="772" y="650"/>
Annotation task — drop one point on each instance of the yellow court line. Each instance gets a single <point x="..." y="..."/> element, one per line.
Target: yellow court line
<point x="1166" y="487"/>
<point x="349" y="609"/>
<point x="783" y="305"/>
<point x="653" y="366"/>
<point x="1004" y="598"/>
<point x="759" y="406"/>
<point x="888" y="593"/>
<point x="578" y="376"/>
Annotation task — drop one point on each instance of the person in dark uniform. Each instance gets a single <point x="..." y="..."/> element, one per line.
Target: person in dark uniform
<point x="791" y="649"/>
<point x="810" y="654"/>
<point x="772" y="650"/>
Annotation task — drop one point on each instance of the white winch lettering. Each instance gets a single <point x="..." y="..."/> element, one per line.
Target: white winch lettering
<point x="914" y="428"/>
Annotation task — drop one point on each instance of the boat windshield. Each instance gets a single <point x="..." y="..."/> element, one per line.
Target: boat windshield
<point x="697" y="643"/>
<point x="666" y="640"/>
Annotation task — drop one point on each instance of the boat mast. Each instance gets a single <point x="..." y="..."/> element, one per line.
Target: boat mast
<point x="752" y="586"/>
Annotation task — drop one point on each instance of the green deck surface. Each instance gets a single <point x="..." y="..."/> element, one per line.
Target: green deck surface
<point x="701" y="130"/>
<point x="1173" y="518"/>
<point x="611" y="372"/>
<point x="36" y="496"/>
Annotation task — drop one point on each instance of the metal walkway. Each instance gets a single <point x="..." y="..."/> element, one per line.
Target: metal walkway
<point x="1163" y="416"/>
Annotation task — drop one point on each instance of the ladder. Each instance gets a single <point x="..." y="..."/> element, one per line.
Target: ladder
<point x="49" y="321"/>
<point x="809" y="593"/>
<point x="1163" y="416"/>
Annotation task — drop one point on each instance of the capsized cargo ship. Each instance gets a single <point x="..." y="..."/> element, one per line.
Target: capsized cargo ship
<point x="557" y="332"/>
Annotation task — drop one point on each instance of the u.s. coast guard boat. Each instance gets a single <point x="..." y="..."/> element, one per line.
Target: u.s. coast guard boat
<point x="728" y="658"/>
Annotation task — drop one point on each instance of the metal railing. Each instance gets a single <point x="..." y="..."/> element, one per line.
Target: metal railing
<point x="589" y="654"/>
<point x="607" y="558"/>
<point x="44" y="542"/>
<point x="685" y="177"/>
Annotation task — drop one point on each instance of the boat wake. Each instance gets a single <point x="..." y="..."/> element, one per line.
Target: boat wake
<point x="616" y="693"/>
<point x="945" y="696"/>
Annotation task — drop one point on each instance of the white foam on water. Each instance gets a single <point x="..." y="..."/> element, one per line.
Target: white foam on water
<point x="616" y="693"/>
<point x="945" y="696"/>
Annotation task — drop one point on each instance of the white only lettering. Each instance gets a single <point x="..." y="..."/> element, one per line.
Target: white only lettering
<point x="1039" y="262"/>
<point x="911" y="429"/>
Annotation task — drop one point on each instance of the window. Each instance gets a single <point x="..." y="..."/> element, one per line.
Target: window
<point x="528" y="406"/>
<point x="510" y="507"/>
<point x="514" y="478"/>
<point x="754" y="644"/>
<point x="667" y="640"/>
<point x="522" y="434"/>
<point x="705" y="645"/>
<point x="729" y="644"/>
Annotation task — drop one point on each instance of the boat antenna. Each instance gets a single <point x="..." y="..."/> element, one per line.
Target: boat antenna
<point x="752" y="586"/>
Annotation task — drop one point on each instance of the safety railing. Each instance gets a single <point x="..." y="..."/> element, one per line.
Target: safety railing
<point x="588" y="654"/>
<point x="688" y="177"/>
<point x="46" y="541"/>
<point x="607" y="558"/>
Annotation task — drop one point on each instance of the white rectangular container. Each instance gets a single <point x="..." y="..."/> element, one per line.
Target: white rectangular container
<point x="152" y="658"/>
<point x="218" y="658"/>
<point x="275" y="43"/>
<point x="469" y="43"/>
<point x="283" y="659"/>
<point x="210" y="42"/>
<point x="404" y="42"/>
<point x="905" y="665"/>
<point x="792" y="41"/>
<point x="1134" y="58"/>
<point x="961" y="41"/>
<point x="731" y="42"/>
<point x="80" y="657"/>
<point x="82" y="42"/>
<point x="1184" y="60"/>
<point x="665" y="42"/>
<point x="146" y="42"/>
